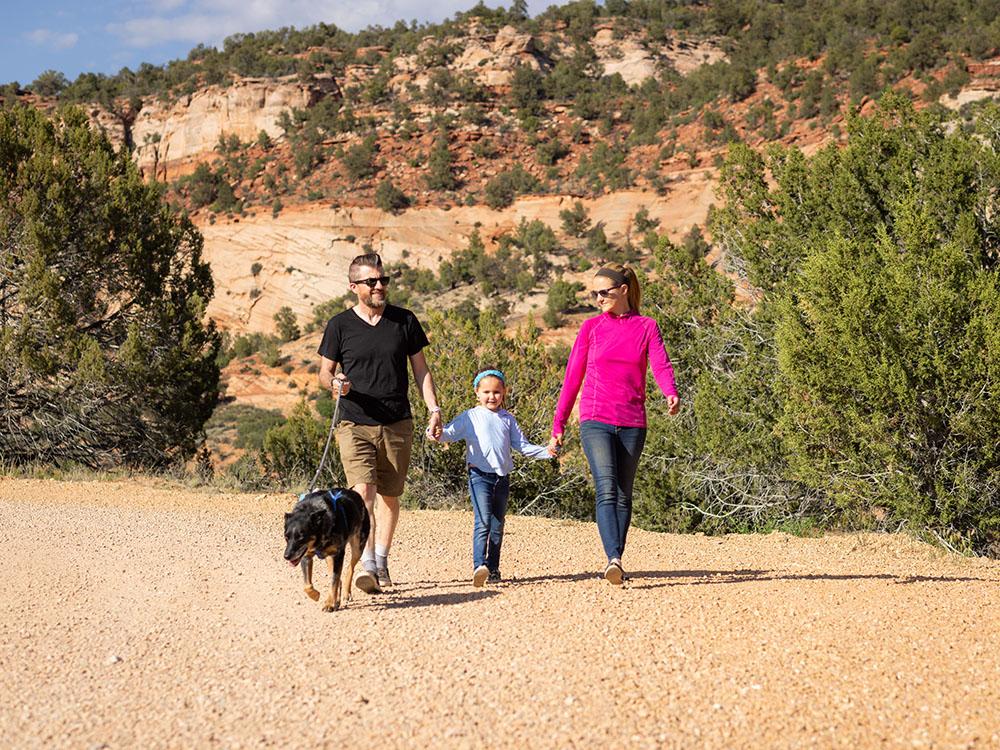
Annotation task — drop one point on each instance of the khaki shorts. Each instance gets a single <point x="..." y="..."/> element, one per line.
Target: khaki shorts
<point x="376" y="454"/>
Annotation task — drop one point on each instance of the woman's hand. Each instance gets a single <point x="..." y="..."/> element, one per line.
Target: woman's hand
<point x="555" y="443"/>
<point x="673" y="404"/>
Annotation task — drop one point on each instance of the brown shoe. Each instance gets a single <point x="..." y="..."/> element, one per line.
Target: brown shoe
<point x="367" y="582"/>
<point x="480" y="575"/>
<point x="614" y="574"/>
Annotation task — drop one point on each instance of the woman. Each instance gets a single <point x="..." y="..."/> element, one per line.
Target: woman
<point x="609" y="359"/>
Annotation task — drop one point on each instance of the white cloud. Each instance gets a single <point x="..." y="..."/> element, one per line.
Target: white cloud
<point x="210" y="21"/>
<point x="52" y="39"/>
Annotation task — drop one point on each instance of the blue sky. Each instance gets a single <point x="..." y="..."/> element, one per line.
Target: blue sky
<point x="103" y="36"/>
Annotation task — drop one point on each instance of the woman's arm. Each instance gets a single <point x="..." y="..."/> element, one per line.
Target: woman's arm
<point x="576" y="368"/>
<point x="663" y="371"/>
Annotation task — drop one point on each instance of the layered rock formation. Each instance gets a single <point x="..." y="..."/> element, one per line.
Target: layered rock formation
<point x="304" y="254"/>
<point x="984" y="84"/>
<point x="172" y="137"/>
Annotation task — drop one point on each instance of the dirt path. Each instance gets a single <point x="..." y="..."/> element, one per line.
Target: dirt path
<point x="146" y="615"/>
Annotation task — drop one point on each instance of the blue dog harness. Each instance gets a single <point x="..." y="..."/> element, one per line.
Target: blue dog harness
<point x="333" y="500"/>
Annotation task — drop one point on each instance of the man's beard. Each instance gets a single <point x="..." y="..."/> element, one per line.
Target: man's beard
<point x="376" y="302"/>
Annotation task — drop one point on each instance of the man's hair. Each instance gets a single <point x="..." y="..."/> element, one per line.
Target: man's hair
<point x="371" y="260"/>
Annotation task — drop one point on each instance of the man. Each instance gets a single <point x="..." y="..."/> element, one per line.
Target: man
<point x="370" y="344"/>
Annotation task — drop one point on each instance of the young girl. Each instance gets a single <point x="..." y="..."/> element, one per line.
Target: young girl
<point x="489" y="432"/>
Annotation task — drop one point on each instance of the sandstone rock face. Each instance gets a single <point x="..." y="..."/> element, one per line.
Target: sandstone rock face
<point x="687" y="56"/>
<point x="492" y="61"/>
<point x="304" y="254"/>
<point x="984" y="84"/>
<point x="628" y="57"/>
<point x="189" y="129"/>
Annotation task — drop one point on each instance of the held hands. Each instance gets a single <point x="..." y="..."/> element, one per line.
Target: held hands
<point x="434" y="426"/>
<point x="673" y="404"/>
<point x="555" y="443"/>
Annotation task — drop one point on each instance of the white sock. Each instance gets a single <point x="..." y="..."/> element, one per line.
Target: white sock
<point x="381" y="555"/>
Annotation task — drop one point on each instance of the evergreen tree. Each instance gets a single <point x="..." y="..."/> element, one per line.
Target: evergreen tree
<point x="105" y="355"/>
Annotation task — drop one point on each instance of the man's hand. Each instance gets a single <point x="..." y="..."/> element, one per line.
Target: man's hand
<point x="555" y="443"/>
<point x="340" y="386"/>
<point x="434" y="425"/>
<point x="673" y="404"/>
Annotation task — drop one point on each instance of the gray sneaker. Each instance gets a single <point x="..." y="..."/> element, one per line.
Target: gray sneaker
<point x="382" y="574"/>
<point x="494" y="577"/>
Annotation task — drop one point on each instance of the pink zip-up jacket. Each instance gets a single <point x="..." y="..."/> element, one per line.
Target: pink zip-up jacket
<point x="609" y="358"/>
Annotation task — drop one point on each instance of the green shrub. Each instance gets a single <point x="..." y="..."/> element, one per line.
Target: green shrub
<point x="551" y="151"/>
<point x="292" y="451"/>
<point x="287" y="323"/>
<point x="390" y="198"/>
<point x="501" y="190"/>
<point x="359" y="159"/>
<point x="576" y="220"/>
<point x="439" y="175"/>
<point x="560" y="299"/>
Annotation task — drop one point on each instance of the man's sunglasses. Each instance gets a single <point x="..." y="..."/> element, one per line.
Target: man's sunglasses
<point x="373" y="281"/>
<point x="604" y="293"/>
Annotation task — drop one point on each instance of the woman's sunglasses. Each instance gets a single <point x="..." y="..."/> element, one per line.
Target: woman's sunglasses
<point x="604" y="293"/>
<point x="373" y="281"/>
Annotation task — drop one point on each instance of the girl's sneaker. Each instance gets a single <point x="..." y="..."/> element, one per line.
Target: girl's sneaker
<point x="614" y="574"/>
<point x="494" y="577"/>
<point x="480" y="575"/>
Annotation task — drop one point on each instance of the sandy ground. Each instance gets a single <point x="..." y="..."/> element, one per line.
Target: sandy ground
<point x="147" y="615"/>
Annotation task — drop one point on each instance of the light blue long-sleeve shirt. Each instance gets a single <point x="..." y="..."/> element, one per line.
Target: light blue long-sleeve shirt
<point x="489" y="437"/>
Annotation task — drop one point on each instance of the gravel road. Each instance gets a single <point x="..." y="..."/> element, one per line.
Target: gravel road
<point x="147" y="614"/>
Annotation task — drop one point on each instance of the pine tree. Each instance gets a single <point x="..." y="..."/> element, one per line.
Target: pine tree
<point x="105" y="355"/>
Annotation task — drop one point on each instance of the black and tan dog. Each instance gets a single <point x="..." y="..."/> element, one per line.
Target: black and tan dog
<point x="325" y="523"/>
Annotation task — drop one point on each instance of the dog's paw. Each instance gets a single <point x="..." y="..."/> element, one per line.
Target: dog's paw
<point x="329" y="606"/>
<point x="312" y="594"/>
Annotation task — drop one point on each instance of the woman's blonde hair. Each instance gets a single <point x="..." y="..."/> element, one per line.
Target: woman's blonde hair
<point x="623" y="275"/>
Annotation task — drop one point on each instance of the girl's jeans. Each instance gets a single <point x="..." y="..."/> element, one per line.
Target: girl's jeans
<point x="489" y="493"/>
<point x="613" y="454"/>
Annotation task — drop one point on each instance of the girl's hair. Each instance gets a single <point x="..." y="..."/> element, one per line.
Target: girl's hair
<point x="489" y="372"/>
<point x="616" y="271"/>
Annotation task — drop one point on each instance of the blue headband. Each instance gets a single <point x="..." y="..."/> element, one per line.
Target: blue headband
<point x="486" y="374"/>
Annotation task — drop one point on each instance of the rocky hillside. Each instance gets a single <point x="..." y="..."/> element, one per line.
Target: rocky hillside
<point x="294" y="150"/>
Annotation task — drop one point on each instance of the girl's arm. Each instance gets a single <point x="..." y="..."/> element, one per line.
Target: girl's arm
<point x="457" y="429"/>
<point x="520" y="443"/>
<point x="576" y="368"/>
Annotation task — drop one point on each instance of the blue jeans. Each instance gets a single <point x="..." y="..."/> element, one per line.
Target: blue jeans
<point x="613" y="454"/>
<point x="489" y="493"/>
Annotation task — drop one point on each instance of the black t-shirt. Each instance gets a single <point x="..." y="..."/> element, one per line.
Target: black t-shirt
<point x="374" y="358"/>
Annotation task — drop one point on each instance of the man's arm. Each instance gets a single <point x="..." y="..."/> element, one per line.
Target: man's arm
<point x="328" y="375"/>
<point x="425" y="383"/>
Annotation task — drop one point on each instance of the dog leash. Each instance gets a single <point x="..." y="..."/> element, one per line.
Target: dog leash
<point x="329" y="439"/>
